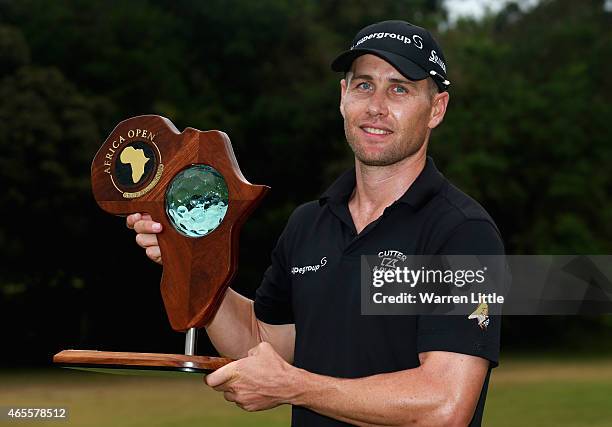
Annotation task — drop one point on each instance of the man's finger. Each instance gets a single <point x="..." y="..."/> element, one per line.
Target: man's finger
<point x="221" y="375"/>
<point x="229" y="396"/>
<point x="154" y="253"/>
<point x="147" y="227"/>
<point x="146" y="240"/>
<point x="132" y="219"/>
<point x="223" y="387"/>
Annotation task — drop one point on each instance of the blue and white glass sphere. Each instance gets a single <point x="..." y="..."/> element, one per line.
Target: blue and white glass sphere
<point x="197" y="200"/>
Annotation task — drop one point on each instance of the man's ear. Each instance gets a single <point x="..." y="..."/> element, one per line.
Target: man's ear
<point x="438" y="109"/>
<point x="343" y="84"/>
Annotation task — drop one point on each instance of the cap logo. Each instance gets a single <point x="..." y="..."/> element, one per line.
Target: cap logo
<point x="415" y="40"/>
<point x="436" y="60"/>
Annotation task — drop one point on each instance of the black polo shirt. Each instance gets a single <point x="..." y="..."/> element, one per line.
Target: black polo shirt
<point x="314" y="282"/>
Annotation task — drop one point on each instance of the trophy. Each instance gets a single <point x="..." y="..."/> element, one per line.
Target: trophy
<point x="189" y="182"/>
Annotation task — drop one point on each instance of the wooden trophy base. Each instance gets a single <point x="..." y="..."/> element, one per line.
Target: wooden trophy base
<point x="151" y="361"/>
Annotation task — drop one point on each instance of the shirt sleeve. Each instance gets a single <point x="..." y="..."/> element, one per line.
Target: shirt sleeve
<point x="273" y="297"/>
<point x="457" y="333"/>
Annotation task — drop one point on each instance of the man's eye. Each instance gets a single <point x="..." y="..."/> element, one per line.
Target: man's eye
<point x="364" y="86"/>
<point x="400" y="89"/>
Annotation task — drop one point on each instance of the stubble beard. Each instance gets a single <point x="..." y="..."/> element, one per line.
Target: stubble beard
<point x="397" y="152"/>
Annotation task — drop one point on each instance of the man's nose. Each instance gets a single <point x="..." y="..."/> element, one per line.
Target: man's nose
<point x="377" y="105"/>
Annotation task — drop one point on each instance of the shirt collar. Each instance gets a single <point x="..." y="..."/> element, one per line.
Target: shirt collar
<point x="424" y="187"/>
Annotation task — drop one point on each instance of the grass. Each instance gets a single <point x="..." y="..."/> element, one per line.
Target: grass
<point x="550" y="391"/>
<point x="95" y="399"/>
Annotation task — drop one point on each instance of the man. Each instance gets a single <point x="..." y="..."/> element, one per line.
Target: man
<point x="303" y="341"/>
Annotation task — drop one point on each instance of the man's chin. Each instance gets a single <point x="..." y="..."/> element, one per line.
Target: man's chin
<point x="371" y="161"/>
<point x="387" y="158"/>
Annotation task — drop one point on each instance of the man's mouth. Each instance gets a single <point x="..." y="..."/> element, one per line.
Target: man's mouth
<point x="376" y="131"/>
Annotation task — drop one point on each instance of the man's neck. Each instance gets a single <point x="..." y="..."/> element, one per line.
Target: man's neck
<point x="379" y="186"/>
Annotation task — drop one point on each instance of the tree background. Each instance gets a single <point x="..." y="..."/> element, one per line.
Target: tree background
<point x="527" y="134"/>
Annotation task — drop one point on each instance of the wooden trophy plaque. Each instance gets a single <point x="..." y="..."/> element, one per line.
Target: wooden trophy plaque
<point x="189" y="182"/>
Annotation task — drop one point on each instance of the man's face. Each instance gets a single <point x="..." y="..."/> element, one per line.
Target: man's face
<point x="387" y="117"/>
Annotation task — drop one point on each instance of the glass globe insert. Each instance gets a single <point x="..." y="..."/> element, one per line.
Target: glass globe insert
<point x="197" y="200"/>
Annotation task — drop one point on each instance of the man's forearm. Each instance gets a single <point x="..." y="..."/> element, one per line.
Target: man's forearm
<point x="406" y="398"/>
<point x="234" y="330"/>
<point x="443" y="391"/>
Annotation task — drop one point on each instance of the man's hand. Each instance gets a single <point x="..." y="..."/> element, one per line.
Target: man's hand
<point x="146" y="236"/>
<point x="262" y="380"/>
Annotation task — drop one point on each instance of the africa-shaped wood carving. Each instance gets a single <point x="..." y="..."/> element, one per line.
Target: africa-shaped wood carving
<point x="190" y="182"/>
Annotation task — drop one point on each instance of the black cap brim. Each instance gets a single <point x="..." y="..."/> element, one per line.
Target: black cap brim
<point x="405" y="66"/>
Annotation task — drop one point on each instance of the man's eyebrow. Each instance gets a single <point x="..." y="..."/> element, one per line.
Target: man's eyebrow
<point x="392" y="80"/>
<point x="402" y="81"/>
<point x="363" y="77"/>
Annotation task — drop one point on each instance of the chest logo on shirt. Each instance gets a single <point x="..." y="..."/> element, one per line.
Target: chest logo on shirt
<point x="309" y="268"/>
<point x="389" y="259"/>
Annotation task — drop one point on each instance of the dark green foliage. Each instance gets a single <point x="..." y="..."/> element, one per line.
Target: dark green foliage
<point x="528" y="129"/>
